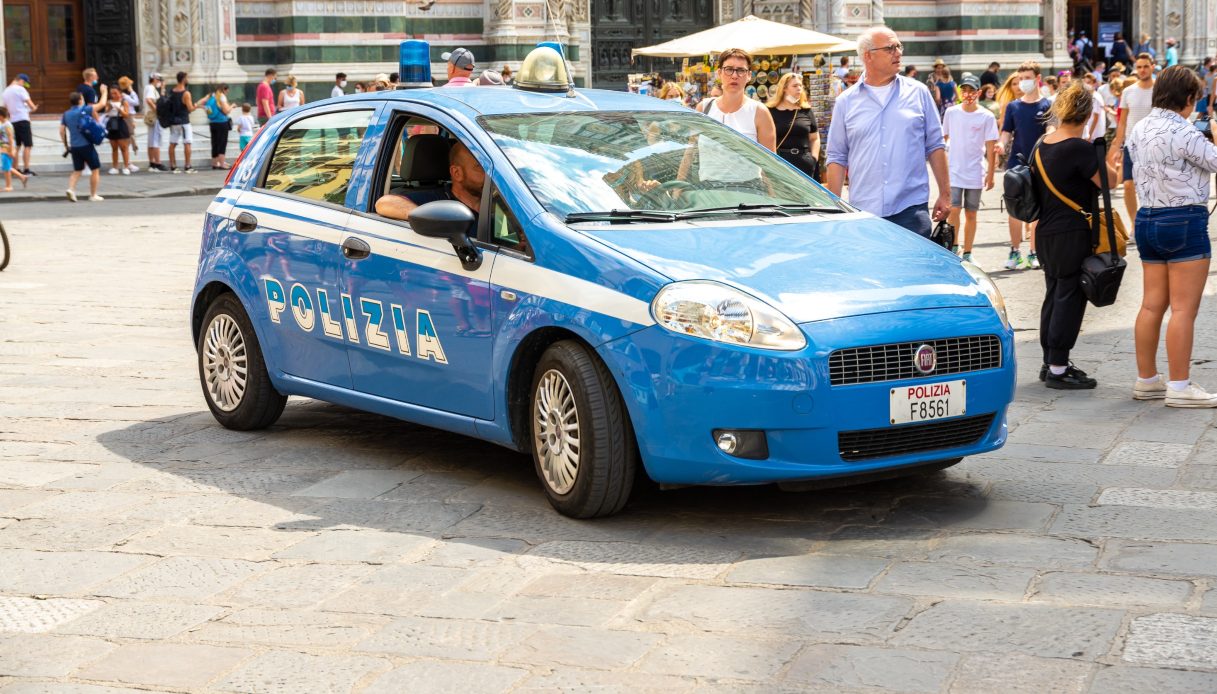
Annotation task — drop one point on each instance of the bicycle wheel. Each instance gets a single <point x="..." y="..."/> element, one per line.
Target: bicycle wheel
<point x="5" y="253"/>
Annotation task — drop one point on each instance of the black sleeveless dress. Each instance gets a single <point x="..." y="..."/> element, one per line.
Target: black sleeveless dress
<point x="792" y="138"/>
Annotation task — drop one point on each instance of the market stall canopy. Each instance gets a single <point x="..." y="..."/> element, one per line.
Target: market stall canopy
<point x="753" y="34"/>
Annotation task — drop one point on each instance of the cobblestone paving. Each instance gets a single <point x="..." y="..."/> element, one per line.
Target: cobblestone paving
<point x="143" y="548"/>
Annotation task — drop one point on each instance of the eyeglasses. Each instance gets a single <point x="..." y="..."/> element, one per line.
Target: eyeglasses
<point x="735" y="71"/>
<point x="890" y="48"/>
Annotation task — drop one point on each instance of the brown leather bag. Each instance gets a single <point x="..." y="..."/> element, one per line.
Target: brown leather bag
<point x="1104" y="245"/>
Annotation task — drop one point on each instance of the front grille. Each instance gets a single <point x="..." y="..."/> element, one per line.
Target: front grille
<point x="865" y="444"/>
<point x="894" y="362"/>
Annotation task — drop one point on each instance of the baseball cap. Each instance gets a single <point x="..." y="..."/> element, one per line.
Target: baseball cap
<point x="970" y="81"/>
<point x="156" y="76"/>
<point x="461" y="58"/>
<point x="24" y="78"/>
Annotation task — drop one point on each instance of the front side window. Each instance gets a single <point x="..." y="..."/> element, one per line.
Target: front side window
<point x="588" y="162"/>
<point x="314" y="157"/>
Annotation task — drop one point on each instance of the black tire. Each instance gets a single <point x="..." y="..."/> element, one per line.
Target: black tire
<point x="604" y="439"/>
<point x="226" y="328"/>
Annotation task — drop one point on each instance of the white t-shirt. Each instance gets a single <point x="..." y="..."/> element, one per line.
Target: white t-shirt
<point x="245" y="124"/>
<point x="15" y="97"/>
<point x="151" y="93"/>
<point x="336" y="91"/>
<point x="1138" y="102"/>
<point x="882" y="94"/>
<point x="966" y="135"/>
<point x="1101" y="126"/>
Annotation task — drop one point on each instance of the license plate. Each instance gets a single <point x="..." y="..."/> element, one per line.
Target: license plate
<point x="922" y="403"/>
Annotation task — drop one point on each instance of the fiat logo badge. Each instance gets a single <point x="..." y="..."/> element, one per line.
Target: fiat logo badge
<point x="925" y="359"/>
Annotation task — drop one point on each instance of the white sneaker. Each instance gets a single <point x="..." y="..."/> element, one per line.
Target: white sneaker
<point x="95" y="198"/>
<point x="1014" y="260"/>
<point x="113" y="172"/>
<point x="133" y="168"/>
<point x="126" y="171"/>
<point x="71" y="194"/>
<point x="1192" y="396"/>
<point x="1149" y="391"/>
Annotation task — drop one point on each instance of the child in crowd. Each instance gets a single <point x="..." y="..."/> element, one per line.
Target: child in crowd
<point x="8" y="152"/>
<point x="971" y="135"/>
<point x="245" y="126"/>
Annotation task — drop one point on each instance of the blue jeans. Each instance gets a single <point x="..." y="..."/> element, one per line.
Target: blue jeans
<point x="1172" y="234"/>
<point x="915" y="218"/>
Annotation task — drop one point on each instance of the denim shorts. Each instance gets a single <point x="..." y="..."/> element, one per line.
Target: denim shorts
<point x="1173" y="234"/>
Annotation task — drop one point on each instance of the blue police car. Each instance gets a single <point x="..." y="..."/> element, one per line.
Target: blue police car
<point x="611" y="283"/>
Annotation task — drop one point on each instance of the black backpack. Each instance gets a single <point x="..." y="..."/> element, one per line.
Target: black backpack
<point x="1018" y="189"/>
<point x="164" y="107"/>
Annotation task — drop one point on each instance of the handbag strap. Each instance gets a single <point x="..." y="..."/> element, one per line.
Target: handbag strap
<point x="1039" y="164"/>
<point x="792" y="120"/>
<point x="1101" y="146"/>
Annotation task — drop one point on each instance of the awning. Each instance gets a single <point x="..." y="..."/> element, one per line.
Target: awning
<point x="753" y="34"/>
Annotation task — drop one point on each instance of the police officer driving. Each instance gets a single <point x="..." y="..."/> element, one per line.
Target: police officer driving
<point x="468" y="178"/>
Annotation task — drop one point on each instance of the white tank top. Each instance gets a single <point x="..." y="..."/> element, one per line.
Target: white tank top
<point x="291" y="100"/>
<point x="742" y="120"/>
<point x="717" y="163"/>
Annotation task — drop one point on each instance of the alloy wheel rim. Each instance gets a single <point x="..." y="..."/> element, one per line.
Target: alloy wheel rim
<point x="225" y="363"/>
<point x="556" y="432"/>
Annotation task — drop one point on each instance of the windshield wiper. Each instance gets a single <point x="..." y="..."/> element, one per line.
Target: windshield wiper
<point x="621" y="216"/>
<point x="758" y="209"/>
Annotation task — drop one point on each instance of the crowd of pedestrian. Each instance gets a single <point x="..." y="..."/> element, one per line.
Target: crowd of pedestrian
<point x="166" y="114"/>
<point x="1079" y="131"/>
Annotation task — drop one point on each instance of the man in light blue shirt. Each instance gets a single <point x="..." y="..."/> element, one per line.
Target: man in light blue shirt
<point x="1172" y="52"/>
<point x="883" y="131"/>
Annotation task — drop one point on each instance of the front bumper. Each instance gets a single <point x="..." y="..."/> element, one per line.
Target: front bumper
<point x="678" y="390"/>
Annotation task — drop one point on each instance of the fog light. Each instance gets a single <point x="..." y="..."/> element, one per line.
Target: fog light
<point x="742" y="443"/>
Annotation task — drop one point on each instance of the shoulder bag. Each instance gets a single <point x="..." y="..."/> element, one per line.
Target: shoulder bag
<point x="1100" y="242"/>
<point x="1103" y="271"/>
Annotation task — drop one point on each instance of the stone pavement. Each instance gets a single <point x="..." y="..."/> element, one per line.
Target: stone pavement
<point x="142" y="547"/>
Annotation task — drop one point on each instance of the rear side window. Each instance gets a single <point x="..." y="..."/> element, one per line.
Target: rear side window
<point x="314" y="156"/>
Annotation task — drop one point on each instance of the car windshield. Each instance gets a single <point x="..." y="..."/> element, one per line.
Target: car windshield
<point x="585" y="163"/>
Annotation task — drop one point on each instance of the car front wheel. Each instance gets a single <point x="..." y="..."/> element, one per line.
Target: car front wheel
<point x="232" y="371"/>
<point x="582" y="442"/>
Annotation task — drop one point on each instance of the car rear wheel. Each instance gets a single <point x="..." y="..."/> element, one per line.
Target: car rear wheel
<point x="582" y="442"/>
<point x="232" y="371"/>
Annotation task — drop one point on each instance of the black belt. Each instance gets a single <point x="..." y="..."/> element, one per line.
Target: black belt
<point x="794" y="150"/>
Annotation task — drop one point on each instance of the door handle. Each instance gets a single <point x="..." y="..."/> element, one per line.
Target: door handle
<point x="355" y="248"/>
<point x="246" y="222"/>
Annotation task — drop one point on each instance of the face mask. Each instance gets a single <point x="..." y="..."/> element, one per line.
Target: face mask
<point x="792" y="98"/>
<point x="1089" y="87"/>
<point x="1028" y="86"/>
<point x="970" y="98"/>
<point x="343" y="84"/>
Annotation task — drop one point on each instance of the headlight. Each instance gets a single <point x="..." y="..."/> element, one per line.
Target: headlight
<point x="990" y="290"/>
<point x="714" y="311"/>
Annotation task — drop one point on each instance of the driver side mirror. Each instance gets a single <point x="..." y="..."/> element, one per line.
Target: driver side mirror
<point x="452" y="220"/>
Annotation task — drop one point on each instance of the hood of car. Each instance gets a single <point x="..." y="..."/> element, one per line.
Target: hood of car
<point x="811" y="268"/>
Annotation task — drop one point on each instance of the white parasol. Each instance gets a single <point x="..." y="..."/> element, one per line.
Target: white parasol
<point x="753" y="34"/>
